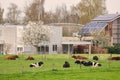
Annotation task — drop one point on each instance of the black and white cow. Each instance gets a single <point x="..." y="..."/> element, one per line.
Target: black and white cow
<point x="38" y="64"/>
<point x="96" y="64"/>
<point x="88" y="63"/>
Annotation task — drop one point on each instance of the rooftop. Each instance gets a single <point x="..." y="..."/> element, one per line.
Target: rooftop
<point x="66" y="24"/>
<point x="95" y="27"/>
<point x="107" y="17"/>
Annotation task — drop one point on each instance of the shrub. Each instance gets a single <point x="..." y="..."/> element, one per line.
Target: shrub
<point x="114" y="49"/>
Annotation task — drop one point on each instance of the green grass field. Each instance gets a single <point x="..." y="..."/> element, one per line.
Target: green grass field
<point x="52" y="69"/>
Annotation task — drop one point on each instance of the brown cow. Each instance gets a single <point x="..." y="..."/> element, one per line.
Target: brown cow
<point x="79" y="57"/>
<point x="29" y="58"/>
<point x="114" y="58"/>
<point x="11" y="57"/>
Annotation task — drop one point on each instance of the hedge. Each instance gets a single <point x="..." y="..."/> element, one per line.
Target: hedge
<point x="114" y="49"/>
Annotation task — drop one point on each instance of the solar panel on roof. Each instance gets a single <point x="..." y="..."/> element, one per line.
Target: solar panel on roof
<point x="92" y="27"/>
<point x="106" y="17"/>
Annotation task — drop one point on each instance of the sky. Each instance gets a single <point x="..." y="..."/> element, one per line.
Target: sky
<point x="113" y="6"/>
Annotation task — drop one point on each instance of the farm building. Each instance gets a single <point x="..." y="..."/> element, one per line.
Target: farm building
<point x="11" y="43"/>
<point x="108" y="25"/>
<point x="10" y="40"/>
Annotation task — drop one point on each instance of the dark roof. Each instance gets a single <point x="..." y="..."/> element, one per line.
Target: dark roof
<point x="107" y="17"/>
<point x="93" y="27"/>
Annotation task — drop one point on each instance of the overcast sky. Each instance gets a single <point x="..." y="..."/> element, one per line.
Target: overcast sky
<point x="113" y="6"/>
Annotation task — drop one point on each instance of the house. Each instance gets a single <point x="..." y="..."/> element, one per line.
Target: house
<point x="70" y="37"/>
<point x="69" y="45"/>
<point x="11" y="43"/>
<point x="8" y="40"/>
<point x="108" y="24"/>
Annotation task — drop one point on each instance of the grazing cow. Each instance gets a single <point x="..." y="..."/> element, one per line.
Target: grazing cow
<point x="89" y="63"/>
<point x="16" y="56"/>
<point x="95" y="64"/>
<point x="11" y="57"/>
<point x="38" y="64"/>
<point x="66" y="65"/>
<point x="95" y="58"/>
<point x="75" y="57"/>
<point x="114" y="58"/>
<point x="79" y="57"/>
<point x="29" y="58"/>
<point x="77" y="62"/>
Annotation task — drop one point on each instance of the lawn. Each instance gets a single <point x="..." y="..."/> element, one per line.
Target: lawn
<point x="52" y="69"/>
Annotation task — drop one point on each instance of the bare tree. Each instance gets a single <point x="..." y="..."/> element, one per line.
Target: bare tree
<point x="35" y="11"/>
<point x="61" y="15"/>
<point x="35" y="33"/>
<point x="1" y="14"/>
<point x="100" y="39"/>
<point x="13" y="14"/>
<point x="74" y="16"/>
<point x="48" y="17"/>
<point x="89" y="9"/>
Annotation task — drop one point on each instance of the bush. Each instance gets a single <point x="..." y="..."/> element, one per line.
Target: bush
<point x="114" y="49"/>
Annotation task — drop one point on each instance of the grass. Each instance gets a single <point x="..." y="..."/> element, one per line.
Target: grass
<point x="52" y="69"/>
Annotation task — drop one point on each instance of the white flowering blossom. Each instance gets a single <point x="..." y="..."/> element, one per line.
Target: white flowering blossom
<point x="35" y="33"/>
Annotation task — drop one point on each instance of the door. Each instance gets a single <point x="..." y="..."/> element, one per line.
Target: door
<point x="1" y="48"/>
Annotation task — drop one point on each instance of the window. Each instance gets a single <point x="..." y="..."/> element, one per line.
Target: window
<point x="19" y="49"/>
<point x="54" y="47"/>
<point x="38" y="49"/>
<point x="43" y="48"/>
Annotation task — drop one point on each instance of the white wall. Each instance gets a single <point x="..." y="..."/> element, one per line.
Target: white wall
<point x="56" y="38"/>
<point x="12" y="34"/>
<point x="9" y="36"/>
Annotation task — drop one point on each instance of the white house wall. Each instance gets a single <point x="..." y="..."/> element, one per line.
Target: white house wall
<point x="8" y="35"/>
<point x="55" y="39"/>
<point x="11" y="34"/>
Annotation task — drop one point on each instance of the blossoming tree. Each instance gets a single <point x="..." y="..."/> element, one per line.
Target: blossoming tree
<point x="35" y="33"/>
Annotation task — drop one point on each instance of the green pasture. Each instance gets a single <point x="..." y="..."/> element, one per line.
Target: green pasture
<point x="52" y="69"/>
